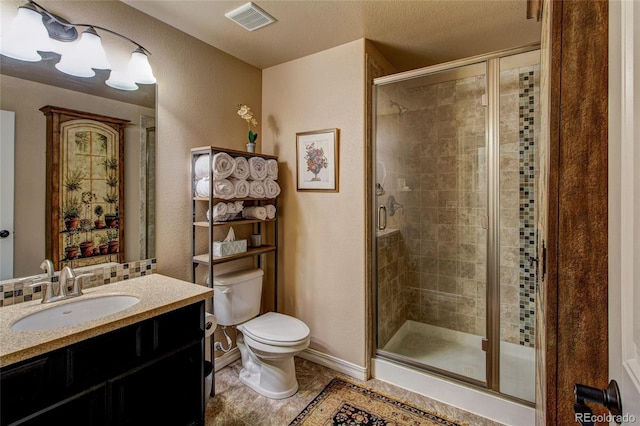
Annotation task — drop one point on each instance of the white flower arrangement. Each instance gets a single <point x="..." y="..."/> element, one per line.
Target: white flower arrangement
<point x="245" y="113"/>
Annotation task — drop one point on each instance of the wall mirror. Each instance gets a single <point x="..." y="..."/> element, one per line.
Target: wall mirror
<point x="25" y="88"/>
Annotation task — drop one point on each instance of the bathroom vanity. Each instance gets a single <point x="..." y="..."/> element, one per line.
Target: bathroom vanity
<point x="143" y="365"/>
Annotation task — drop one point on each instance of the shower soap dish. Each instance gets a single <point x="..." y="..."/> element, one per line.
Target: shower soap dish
<point x="229" y="246"/>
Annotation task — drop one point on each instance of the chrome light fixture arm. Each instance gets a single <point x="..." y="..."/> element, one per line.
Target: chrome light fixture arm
<point x="69" y="27"/>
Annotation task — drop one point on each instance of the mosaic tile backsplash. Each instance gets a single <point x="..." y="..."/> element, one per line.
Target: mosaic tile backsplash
<point x="18" y="290"/>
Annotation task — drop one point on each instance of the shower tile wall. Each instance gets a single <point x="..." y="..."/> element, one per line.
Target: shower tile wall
<point x="444" y="140"/>
<point x="518" y="97"/>
<point x="391" y="284"/>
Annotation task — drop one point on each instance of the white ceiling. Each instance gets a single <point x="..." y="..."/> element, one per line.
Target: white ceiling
<point x="410" y="34"/>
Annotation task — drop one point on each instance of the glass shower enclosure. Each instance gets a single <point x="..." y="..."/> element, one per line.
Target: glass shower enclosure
<point x="455" y="169"/>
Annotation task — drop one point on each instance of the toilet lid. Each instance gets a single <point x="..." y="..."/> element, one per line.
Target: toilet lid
<point x="274" y="328"/>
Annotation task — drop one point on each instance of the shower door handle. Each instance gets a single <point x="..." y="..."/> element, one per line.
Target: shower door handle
<point x="382" y="213"/>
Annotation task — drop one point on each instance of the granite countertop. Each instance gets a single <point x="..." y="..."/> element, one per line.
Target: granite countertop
<point x="158" y="294"/>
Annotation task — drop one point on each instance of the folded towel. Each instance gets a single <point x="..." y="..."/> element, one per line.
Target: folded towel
<point x="256" y="189"/>
<point x="257" y="168"/>
<point x="242" y="168"/>
<point x="223" y="165"/>
<point x="223" y="188"/>
<point x="201" y="168"/>
<point x="271" y="211"/>
<point x="219" y="212"/>
<point x="272" y="169"/>
<point x="241" y="187"/>
<point x="254" y="212"/>
<point x="202" y="188"/>
<point x="271" y="188"/>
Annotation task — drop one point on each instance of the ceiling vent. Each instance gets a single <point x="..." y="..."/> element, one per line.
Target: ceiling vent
<point x="250" y="17"/>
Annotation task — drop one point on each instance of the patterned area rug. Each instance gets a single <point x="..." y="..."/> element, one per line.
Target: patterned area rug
<point x="343" y="403"/>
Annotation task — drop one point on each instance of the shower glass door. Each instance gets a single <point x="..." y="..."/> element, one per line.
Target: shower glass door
<point x="519" y="129"/>
<point x="431" y="227"/>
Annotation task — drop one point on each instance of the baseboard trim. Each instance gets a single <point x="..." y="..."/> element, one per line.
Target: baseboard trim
<point x="334" y="363"/>
<point x="226" y="359"/>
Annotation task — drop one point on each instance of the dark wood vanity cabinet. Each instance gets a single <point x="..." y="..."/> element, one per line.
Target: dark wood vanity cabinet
<point x="151" y="372"/>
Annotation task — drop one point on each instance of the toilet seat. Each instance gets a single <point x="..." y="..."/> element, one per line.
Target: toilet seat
<point x="276" y="329"/>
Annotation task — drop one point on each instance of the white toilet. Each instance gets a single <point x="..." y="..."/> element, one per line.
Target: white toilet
<point x="268" y="342"/>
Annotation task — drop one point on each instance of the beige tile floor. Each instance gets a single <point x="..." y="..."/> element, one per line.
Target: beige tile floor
<point x="236" y="404"/>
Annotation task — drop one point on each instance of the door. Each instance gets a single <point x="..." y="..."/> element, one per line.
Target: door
<point x="590" y="294"/>
<point x="7" y="133"/>
<point x="624" y="205"/>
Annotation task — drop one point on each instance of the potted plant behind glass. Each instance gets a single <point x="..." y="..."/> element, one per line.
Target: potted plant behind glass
<point x="71" y="208"/>
<point x="245" y="113"/>
<point x="71" y="249"/>
<point x="71" y="213"/>
<point x="111" y="167"/>
<point x="103" y="246"/>
<point x="112" y="238"/>
<point x="99" y="223"/>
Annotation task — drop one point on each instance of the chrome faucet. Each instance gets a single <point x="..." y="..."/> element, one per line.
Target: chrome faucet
<point x="66" y="274"/>
<point x="47" y="266"/>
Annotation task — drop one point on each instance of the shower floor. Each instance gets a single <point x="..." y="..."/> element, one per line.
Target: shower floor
<point x="462" y="354"/>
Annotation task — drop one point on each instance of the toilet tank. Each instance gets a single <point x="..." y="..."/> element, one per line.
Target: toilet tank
<point x="237" y="296"/>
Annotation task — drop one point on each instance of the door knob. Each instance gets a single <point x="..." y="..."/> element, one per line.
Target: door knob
<point x="609" y="398"/>
<point x="4" y="233"/>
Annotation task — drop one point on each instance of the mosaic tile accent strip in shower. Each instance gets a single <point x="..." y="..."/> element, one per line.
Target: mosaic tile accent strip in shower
<point x="18" y="290"/>
<point x="527" y="208"/>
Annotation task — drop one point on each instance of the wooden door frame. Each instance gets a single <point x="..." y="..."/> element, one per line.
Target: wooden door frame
<point x="575" y="292"/>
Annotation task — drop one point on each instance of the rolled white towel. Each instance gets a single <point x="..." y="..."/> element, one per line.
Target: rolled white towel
<point x="241" y="187"/>
<point x="223" y="188"/>
<point x="271" y="211"/>
<point x="257" y="168"/>
<point x="256" y="189"/>
<point x="272" y="169"/>
<point x="254" y="212"/>
<point x="202" y="188"/>
<point x="271" y="188"/>
<point x="242" y="168"/>
<point x="201" y="168"/>
<point x="223" y="165"/>
<point x="235" y="207"/>
<point x="219" y="212"/>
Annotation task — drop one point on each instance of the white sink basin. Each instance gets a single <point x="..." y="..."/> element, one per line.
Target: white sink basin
<point x="71" y="313"/>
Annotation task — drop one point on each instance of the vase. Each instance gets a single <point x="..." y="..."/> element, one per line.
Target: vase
<point x="251" y="147"/>
<point x="315" y="177"/>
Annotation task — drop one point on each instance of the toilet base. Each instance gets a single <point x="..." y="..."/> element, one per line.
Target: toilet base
<point x="271" y="376"/>
<point x="253" y="381"/>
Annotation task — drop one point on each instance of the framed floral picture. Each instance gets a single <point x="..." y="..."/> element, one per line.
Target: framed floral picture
<point x="317" y="155"/>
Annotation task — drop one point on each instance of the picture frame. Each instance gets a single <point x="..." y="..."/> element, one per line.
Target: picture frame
<point x="317" y="160"/>
<point x="85" y="188"/>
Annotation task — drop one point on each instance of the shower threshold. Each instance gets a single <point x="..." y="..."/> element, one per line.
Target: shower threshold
<point x="461" y="354"/>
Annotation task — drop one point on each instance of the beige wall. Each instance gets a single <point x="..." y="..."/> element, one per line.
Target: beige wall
<point x="199" y="88"/>
<point x="322" y="272"/>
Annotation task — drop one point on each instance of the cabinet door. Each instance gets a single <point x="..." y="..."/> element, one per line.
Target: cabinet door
<point x="87" y="409"/>
<point x="30" y="386"/>
<point x="169" y="391"/>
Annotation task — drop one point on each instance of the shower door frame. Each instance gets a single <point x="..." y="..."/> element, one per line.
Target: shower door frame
<point x="492" y="131"/>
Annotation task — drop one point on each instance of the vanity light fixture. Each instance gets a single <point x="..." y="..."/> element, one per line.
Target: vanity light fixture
<point x="33" y="28"/>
